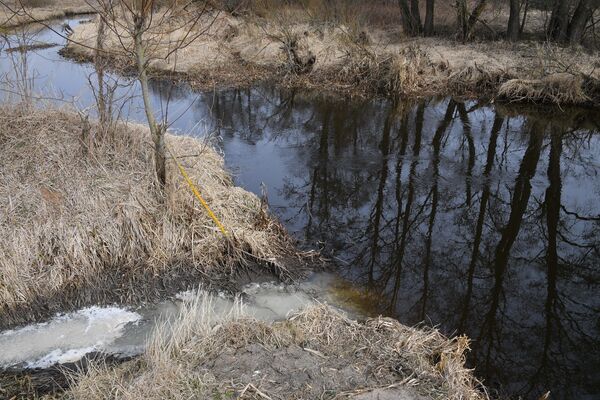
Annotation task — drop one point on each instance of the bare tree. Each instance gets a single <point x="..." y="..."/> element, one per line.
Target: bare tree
<point x="99" y="61"/>
<point x="466" y="20"/>
<point x="411" y="17"/>
<point x="428" y="28"/>
<point x="559" y="20"/>
<point x="513" y="31"/>
<point x="569" y="21"/>
<point x="409" y="21"/>
<point x="581" y="17"/>
<point x="143" y="28"/>
<point x="19" y="82"/>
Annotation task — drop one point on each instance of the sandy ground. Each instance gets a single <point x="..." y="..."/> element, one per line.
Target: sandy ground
<point x="237" y="51"/>
<point x="12" y="14"/>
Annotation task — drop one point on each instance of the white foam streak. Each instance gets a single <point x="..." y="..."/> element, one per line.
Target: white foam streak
<point x="66" y="338"/>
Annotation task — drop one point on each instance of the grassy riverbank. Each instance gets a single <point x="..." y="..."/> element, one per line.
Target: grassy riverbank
<point x="88" y="225"/>
<point x="318" y="353"/>
<point x="359" y="51"/>
<point x="238" y="50"/>
<point x="14" y="13"/>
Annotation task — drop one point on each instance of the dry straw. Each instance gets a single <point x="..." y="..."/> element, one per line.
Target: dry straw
<point x="81" y="226"/>
<point x="563" y="88"/>
<point x="243" y="358"/>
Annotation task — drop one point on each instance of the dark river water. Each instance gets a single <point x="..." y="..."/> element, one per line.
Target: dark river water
<point x="477" y="218"/>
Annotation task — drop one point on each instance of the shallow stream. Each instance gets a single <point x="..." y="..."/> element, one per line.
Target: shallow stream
<point x="481" y="219"/>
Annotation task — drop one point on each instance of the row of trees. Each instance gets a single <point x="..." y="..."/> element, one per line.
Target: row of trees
<point x="568" y="21"/>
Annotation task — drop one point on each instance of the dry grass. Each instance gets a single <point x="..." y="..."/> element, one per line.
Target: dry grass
<point x="81" y="228"/>
<point x="14" y="13"/>
<point x="353" y="56"/>
<point x="474" y="80"/>
<point x="404" y="73"/>
<point x="243" y="358"/>
<point x="556" y="89"/>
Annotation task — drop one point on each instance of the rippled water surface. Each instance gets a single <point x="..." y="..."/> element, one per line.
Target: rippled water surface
<point x="478" y="218"/>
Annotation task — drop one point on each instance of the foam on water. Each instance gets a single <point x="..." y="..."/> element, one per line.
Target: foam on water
<point x="65" y="338"/>
<point x="121" y="332"/>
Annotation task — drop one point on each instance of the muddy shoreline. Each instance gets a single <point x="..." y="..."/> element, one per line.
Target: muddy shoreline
<point x="135" y="291"/>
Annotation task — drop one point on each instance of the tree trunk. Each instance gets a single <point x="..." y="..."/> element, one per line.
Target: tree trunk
<point x="559" y="21"/>
<point x="406" y="17"/>
<point x="466" y="21"/>
<point x="513" y="30"/>
<point x="524" y="21"/>
<point x="474" y="17"/>
<point x="462" y="18"/>
<point x="428" y="28"/>
<point x="99" y="65"/>
<point x="156" y="131"/>
<point x="581" y="17"/>
<point x="416" y="16"/>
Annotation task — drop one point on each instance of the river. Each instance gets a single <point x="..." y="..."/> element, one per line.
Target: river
<point x="480" y="219"/>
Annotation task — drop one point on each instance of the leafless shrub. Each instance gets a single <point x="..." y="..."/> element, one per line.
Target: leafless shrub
<point x="282" y="27"/>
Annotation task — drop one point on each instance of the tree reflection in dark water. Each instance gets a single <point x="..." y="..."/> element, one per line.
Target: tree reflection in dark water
<point x="473" y="218"/>
<point x="478" y="219"/>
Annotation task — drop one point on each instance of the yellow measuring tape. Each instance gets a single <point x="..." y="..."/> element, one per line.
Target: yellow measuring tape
<point x="197" y="193"/>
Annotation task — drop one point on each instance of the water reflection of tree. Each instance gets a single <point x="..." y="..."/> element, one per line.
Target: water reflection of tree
<point x="483" y="202"/>
<point x="453" y="222"/>
<point x="489" y="332"/>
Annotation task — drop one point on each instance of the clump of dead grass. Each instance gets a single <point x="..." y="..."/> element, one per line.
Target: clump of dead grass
<point x="407" y="72"/>
<point x="82" y="226"/>
<point x="474" y="80"/>
<point x="244" y="358"/>
<point x="561" y="88"/>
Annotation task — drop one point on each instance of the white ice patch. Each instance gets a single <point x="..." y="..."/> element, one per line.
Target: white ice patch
<point x="272" y="302"/>
<point x="66" y="338"/>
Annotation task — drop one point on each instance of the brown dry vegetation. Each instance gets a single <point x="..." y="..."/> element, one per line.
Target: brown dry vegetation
<point x="355" y="57"/>
<point x="318" y="353"/>
<point x="81" y="227"/>
<point x="12" y="12"/>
